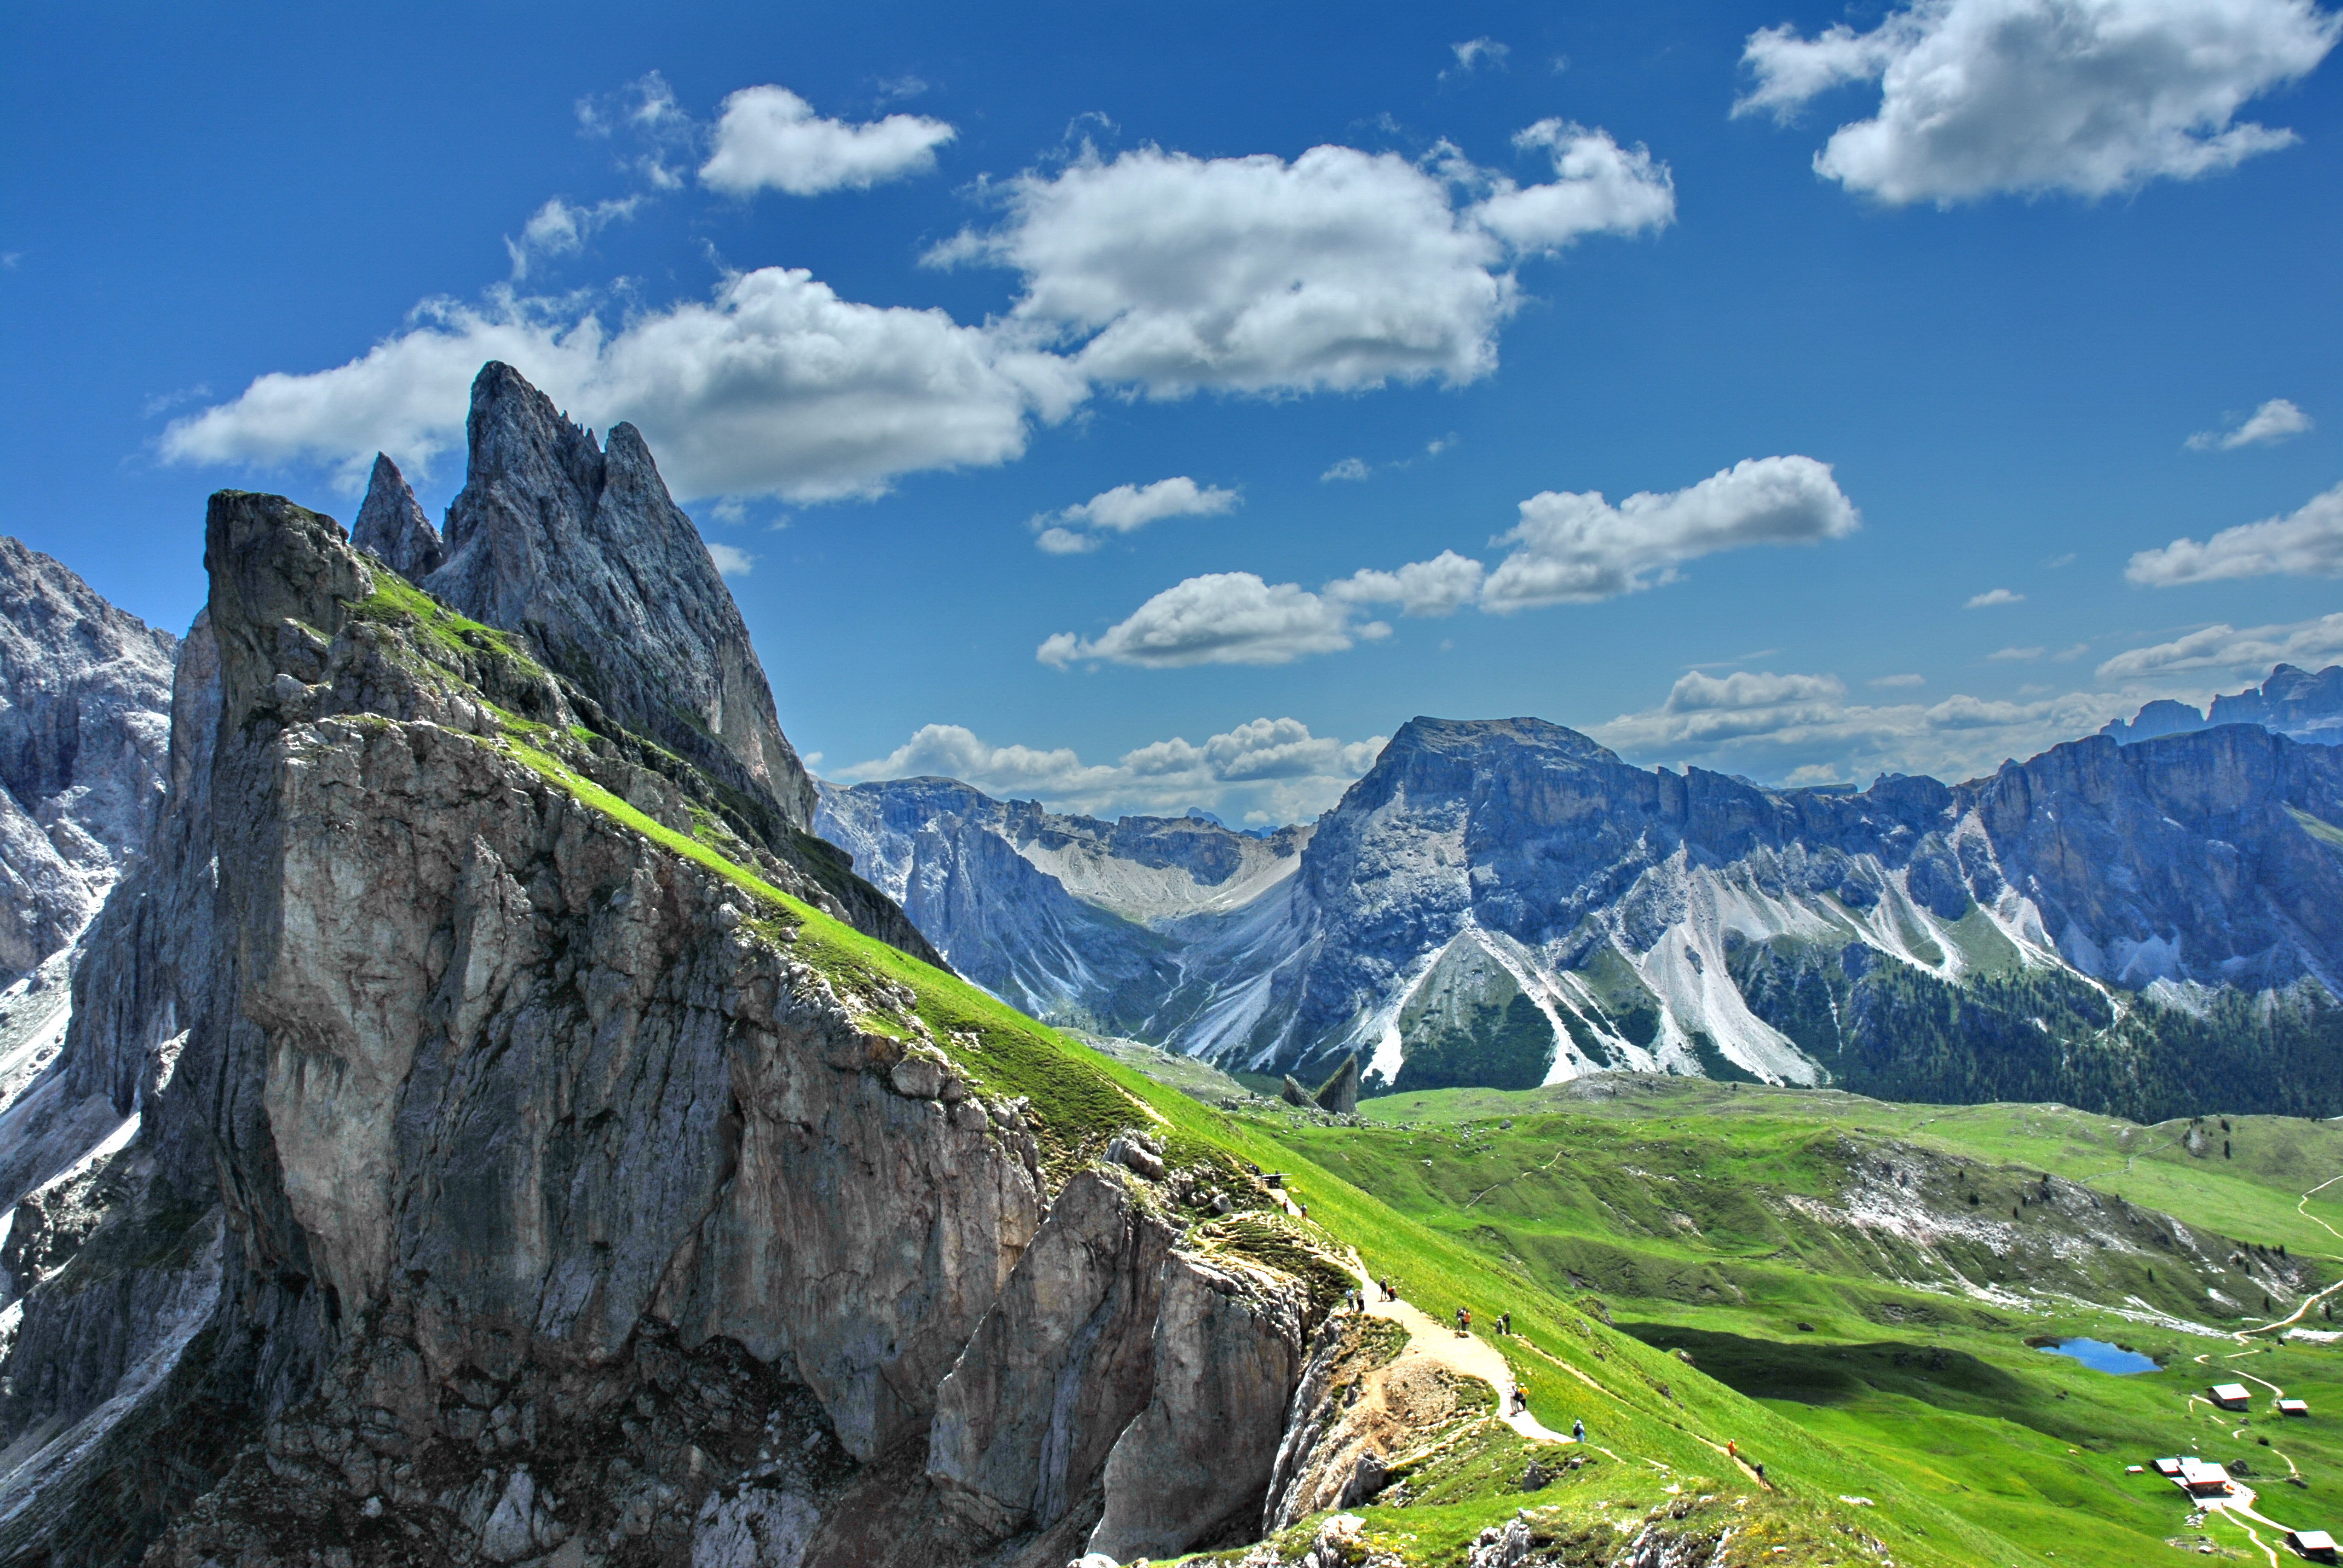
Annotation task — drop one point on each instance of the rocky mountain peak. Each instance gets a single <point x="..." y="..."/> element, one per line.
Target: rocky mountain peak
<point x="84" y="694"/>
<point x="391" y="524"/>
<point x="581" y="547"/>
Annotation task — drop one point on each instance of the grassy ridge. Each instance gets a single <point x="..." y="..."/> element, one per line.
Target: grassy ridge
<point x="1937" y="1396"/>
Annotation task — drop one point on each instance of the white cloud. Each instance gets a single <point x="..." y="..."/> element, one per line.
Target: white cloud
<point x="2088" y="96"/>
<point x="1441" y="586"/>
<point x="1127" y="507"/>
<point x="1339" y="271"/>
<point x="2225" y="649"/>
<point x="558" y="229"/>
<point x="2308" y="542"/>
<point x="1801" y="727"/>
<point x="2018" y="655"/>
<point x="647" y="111"/>
<point x="1348" y="468"/>
<point x="1992" y="596"/>
<point x="769" y="138"/>
<point x="774" y="385"/>
<point x="1600" y="187"/>
<point x="731" y="560"/>
<point x="1473" y="51"/>
<point x="1900" y="680"/>
<point x="1275" y="765"/>
<point x="1222" y="617"/>
<point x="1578" y="547"/>
<point x="2275" y="421"/>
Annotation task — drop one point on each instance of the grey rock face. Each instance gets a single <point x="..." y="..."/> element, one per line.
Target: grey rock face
<point x="1200" y="1457"/>
<point x="84" y="691"/>
<point x="391" y="525"/>
<point x="580" y="550"/>
<point x="500" y="1182"/>
<point x="1061" y="1364"/>
<point x="583" y="549"/>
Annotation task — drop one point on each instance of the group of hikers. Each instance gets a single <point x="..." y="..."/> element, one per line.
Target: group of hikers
<point x="1357" y="1301"/>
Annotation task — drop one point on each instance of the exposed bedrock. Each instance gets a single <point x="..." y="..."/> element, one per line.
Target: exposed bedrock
<point x="1197" y="1463"/>
<point x="1060" y="1365"/>
<point x="508" y="1184"/>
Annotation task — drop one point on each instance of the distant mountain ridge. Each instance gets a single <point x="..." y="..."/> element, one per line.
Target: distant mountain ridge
<point x="2294" y="702"/>
<point x="1507" y="903"/>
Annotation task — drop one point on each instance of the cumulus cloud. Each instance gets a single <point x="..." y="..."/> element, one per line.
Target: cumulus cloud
<point x="1275" y="766"/>
<point x="2087" y="96"/>
<point x="1803" y="727"/>
<point x="1569" y="548"/>
<point x="559" y="228"/>
<point x="2225" y="649"/>
<point x="769" y="138"/>
<point x="2275" y="421"/>
<point x="2018" y="655"/>
<point x="1600" y="188"/>
<point x="1222" y="617"/>
<point x="1992" y="596"/>
<point x="731" y="560"/>
<point x="1900" y="680"/>
<point x="1441" y="586"/>
<point x="1339" y="271"/>
<point x="2308" y="542"/>
<point x="1348" y="468"/>
<point x="773" y="385"/>
<point x="1127" y="507"/>
<point x="1575" y="547"/>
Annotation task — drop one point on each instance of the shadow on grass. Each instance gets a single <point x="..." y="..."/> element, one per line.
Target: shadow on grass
<point x="1823" y="1372"/>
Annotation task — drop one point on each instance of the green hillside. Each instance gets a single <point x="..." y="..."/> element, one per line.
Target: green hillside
<point x="1869" y="1277"/>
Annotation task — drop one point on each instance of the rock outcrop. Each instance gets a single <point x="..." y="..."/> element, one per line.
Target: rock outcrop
<point x="580" y="550"/>
<point x="391" y="525"/>
<point x="508" y="1171"/>
<point x="84" y="690"/>
<point x="557" y="537"/>
<point x="1195" y="1466"/>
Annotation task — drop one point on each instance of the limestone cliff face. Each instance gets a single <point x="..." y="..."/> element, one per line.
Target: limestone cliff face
<point x="504" y="1174"/>
<point x="83" y="690"/>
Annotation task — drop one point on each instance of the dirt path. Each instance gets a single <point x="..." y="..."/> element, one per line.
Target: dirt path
<point x="1468" y="1355"/>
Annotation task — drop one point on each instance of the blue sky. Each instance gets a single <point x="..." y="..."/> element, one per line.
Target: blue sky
<point x="1903" y="359"/>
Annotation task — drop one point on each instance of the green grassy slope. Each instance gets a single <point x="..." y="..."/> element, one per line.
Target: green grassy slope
<point x="1674" y="1199"/>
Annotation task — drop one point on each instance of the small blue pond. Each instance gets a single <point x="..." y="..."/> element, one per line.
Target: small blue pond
<point x="2101" y="1356"/>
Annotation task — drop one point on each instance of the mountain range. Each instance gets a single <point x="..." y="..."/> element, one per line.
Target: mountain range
<point x="2145" y="921"/>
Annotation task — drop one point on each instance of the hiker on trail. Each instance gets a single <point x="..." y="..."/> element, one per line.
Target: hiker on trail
<point x="1760" y="1472"/>
<point x="1463" y="1322"/>
<point x="1504" y="1322"/>
<point x="1521" y="1402"/>
<point x="1578" y="1431"/>
<point x="1731" y="1449"/>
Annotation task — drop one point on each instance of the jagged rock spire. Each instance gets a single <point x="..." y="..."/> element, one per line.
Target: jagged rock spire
<point x="392" y="525"/>
<point x="581" y="547"/>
